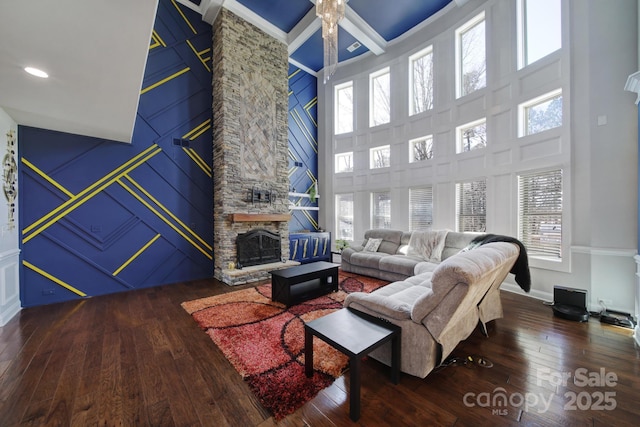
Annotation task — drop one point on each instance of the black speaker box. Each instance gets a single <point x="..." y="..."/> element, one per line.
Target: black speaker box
<point x="570" y="303"/>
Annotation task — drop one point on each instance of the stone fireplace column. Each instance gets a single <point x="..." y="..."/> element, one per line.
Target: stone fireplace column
<point x="250" y="141"/>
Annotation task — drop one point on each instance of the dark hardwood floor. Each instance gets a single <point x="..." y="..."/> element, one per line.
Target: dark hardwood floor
<point x="138" y="359"/>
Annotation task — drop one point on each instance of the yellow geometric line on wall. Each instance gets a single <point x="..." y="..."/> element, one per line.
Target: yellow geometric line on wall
<point x="163" y="81"/>
<point x="53" y="279"/>
<point x="46" y="177"/>
<point x="89" y="192"/>
<point x="308" y="108"/>
<point x="305" y="131"/>
<point x="163" y="218"/>
<point x="293" y="157"/>
<point x="136" y="255"/>
<point x="167" y="211"/>
<point x="294" y="73"/>
<point x="198" y="161"/>
<point x="156" y="41"/>
<point x="184" y="17"/>
<point x="312" y="178"/>
<point x="310" y="218"/>
<point x="198" y="130"/>
<point x="201" y="54"/>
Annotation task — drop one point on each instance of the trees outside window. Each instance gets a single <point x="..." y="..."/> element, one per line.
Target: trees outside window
<point x="344" y="216"/>
<point x="343" y="108"/>
<point x="472" y="136"/>
<point x="540" y="114"/>
<point x="421" y="81"/>
<point x="380" y="97"/>
<point x="471" y="64"/>
<point x="421" y="149"/>
<point x="471" y="206"/>
<point x="344" y="162"/>
<point x="380" y="157"/>
<point x="420" y="208"/>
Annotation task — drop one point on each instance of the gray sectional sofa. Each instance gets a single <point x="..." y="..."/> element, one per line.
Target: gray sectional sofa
<point x="437" y="299"/>
<point x="390" y="261"/>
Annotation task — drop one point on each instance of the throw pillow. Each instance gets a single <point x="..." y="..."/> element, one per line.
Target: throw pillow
<point x="372" y="245"/>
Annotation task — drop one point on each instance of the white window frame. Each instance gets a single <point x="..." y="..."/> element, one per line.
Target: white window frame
<point x="339" y="157"/>
<point x="372" y="103"/>
<point x="426" y="198"/>
<point x="412" y="59"/>
<point x="337" y="113"/>
<point x="523" y="34"/>
<point x="372" y="154"/>
<point x="414" y="142"/>
<point x="460" y="130"/>
<point x="458" y="62"/>
<point x="524" y="108"/>
<point x="338" y="199"/>
<point x="374" y="209"/>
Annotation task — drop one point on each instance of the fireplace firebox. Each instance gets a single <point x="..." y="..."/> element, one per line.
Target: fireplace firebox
<point x="258" y="247"/>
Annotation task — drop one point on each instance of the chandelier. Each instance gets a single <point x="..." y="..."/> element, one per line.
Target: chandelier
<point x="331" y="12"/>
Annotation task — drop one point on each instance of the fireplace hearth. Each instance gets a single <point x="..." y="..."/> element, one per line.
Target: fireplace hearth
<point x="257" y="247"/>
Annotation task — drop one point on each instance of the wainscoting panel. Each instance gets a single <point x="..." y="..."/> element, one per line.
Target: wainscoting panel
<point x="98" y="216"/>
<point x="303" y="148"/>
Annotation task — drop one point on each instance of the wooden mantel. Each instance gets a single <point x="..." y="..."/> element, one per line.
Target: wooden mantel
<point x="246" y="217"/>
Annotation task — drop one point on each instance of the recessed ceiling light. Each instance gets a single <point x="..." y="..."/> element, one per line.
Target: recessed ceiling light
<point x="36" y="72"/>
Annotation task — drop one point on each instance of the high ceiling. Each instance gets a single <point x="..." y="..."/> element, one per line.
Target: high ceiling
<point x="95" y="51"/>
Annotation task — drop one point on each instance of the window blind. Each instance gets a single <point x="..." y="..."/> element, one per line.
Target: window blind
<point x="420" y="208"/>
<point x="540" y="213"/>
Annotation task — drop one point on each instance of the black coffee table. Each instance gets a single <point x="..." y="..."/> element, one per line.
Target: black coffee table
<point x="303" y="282"/>
<point x="355" y="334"/>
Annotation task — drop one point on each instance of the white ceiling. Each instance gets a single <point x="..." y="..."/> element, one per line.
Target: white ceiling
<point x="95" y="57"/>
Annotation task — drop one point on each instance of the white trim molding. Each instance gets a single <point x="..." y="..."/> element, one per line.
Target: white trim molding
<point x="633" y="85"/>
<point x="636" y="333"/>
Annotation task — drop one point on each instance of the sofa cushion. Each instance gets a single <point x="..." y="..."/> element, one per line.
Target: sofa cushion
<point x="390" y="239"/>
<point x="398" y="264"/>
<point x="366" y="259"/>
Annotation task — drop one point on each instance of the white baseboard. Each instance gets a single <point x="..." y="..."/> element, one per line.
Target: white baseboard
<point x="8" y="313"/>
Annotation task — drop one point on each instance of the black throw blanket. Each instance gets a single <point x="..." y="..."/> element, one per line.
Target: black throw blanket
<point x="520" y="269"/>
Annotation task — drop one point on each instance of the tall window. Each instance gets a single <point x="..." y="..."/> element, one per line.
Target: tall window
<point x="540" y="114"/>
<point x="421" y="149"/>
<point x="539" y="29"/>
<point x="344" y="108"/>
<point x="471" y="206"/>
<point x="380" y="97"/>
<point x="540" y="213"/>
<point x="471" y="64"/>
<point x="472" y="136"/>
<point x="420" y="208"/>
<point x="380" y="157"/>
<point x="421" y="81"/>
<point x="380" y="210"/>
<point x="344" y="216"/>
<point x="344" y="162"/>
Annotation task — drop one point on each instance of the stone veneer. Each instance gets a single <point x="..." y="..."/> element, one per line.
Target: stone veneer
<point x="250" y="141"/>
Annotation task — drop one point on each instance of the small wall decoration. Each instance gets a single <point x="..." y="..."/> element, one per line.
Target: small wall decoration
<point x="10" y="175"/>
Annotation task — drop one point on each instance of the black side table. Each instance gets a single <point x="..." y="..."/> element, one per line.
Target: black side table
<point x="355" y="334"/>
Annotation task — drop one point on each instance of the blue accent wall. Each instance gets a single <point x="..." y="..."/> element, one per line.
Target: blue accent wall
<point x="303" y="146"/>
<point x="98" y="216"/>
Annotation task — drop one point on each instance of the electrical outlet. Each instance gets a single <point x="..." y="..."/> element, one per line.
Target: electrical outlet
<point x="606" y="302"/>
<point x="48" y="291"/>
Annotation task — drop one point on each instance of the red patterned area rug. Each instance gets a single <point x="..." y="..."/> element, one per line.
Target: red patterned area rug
<point x="264" y="340"/>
